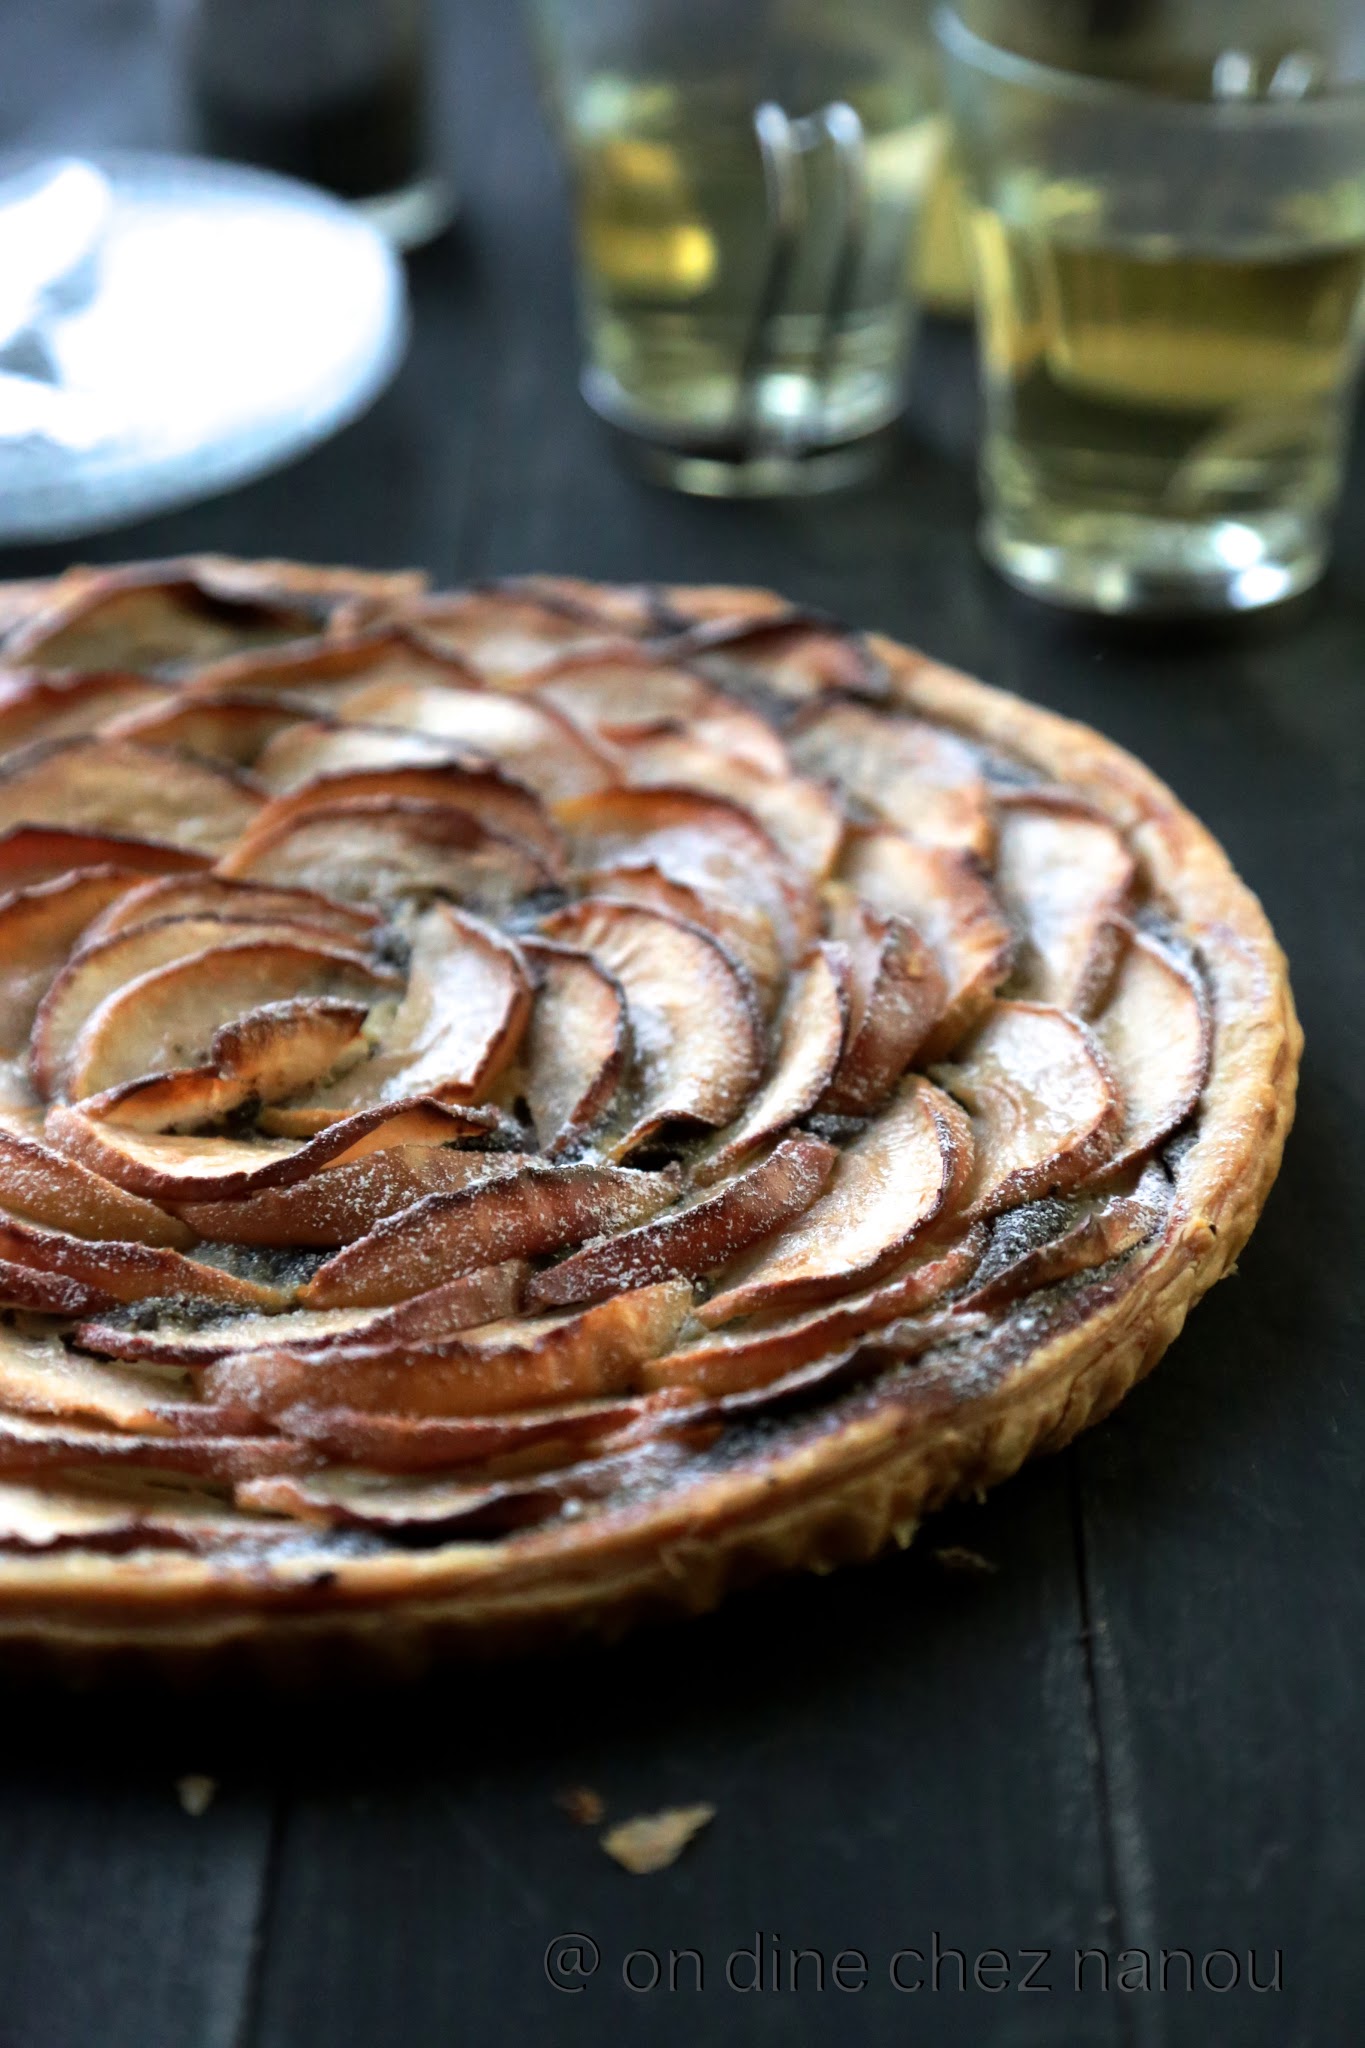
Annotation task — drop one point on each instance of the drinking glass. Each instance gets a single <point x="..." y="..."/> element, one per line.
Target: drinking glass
<point x="1169" y="301"/>
<point x="746" y="183"/>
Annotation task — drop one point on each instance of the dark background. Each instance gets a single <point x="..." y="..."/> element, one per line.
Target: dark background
<point x="1143" y="1730"/>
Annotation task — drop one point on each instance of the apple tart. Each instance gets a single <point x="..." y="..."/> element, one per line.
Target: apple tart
<point x="526" y="1107"/>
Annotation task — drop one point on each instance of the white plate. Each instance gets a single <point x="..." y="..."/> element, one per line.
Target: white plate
<point x="238" y="318"/>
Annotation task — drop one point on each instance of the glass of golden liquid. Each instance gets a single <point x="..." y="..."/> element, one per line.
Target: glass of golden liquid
<point x="1170" y="294"/>
<point x="747" y="177"/>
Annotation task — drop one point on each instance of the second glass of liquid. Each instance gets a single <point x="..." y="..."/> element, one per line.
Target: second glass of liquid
<point x="1169" y="300"/>
<point x="747" y="184"/>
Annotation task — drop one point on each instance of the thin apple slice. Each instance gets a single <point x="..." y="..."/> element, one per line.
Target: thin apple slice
<point x="49" y="1294"/>
<point x="90" y="1519"/>
<point x="506" y="634"/>
<point x="952" y="908"/>
<point x="489" y="1293"/>
<point x="896" y="996"/>
<point x="914" y="776"/>
<point x="342" y="1203"/>
<point x="810" y="1041"/>
<point x="379" y="849"/>
<point x="36" y="705"/>
<point x="1065" y="879"/>
<point x="259" y="1057"/>
<point x="482" y="791"/>
<point x="213" y="1169"/>
<point x="31" y="1446"/>
<point x="126" y="1271"/>
<point x="1045" y="1110"/>
<point x="205" y="895"/>
<point x="1155" y="1031"/>
<point x="800" y="817"/>
<point x="98" y="785"/>
<point x="704" y="842"/>
<point x="889" y="1185"/>
<point x="40" y="853"/>
<point x="542" y="1440"/>
<point x="793" y="655"/>
<point x="43" y="1186"/>
<point x="768" y="1347"/>
<point x="698" y="1050"/>
<point x="536" y="742"/>
<point x="170" y="1017"/>
<point x="459" y="1024"/>
<point x="232" y="730"/>
<point x="107" y="967"/>
<point x="699" y="1235"/>
<point x="308" y="748"/>
<point x="319" y="676"/>
<point x="576" y="1047"/>
<point x="743" y="931"/>
<point x="1020" y="1262"/>
<point x="518" y="1215"/>
<point x="523" y="1364"/>
<point x="39" y="1376"/>
<point x="38" y="928"/>
<point x="154" y="616"/>
<point x="633" y="698"/>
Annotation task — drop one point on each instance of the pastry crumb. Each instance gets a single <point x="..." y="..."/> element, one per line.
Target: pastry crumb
<point x="956" y="1557"/>
<point x="196" y="1793"/>
<point x="651" y="1841"/>
<point x="581" y="1804"/>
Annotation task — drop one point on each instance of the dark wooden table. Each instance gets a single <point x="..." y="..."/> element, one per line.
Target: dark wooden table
<point x="1142" y="1732"/>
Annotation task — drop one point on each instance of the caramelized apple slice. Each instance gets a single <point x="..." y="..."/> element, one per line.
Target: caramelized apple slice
<point x="170" y="1017"/>
<point x="308" y="748"/>
<point x="213" y="896"/>
<point x="697" y="1045"/>
<point x="504" y="634"/>
<point x="120" y="1269"/>
<point x="38" y="928"/>
<point x="43" y="1186"/>
<point x="1156" y="1035"/>
<point x="39" y="1376"/>
<point x="519" y="1215"/>
<point x="808" y="1049"/>
<point x="794" y="655"/>
<point x="91" y="1519"/>
<point x="343" y="1203"/>
<point x="704" y="842"/>
<point x="260" y="1057"/>
<point x="889" y="1184"/>
<point x="621" y="689"/>
<point x="459" y="1024"/>
<point x="212" y="1169"/>
<point x="1021" y="1261"/>
<point x="576" y="1047"/>
<point x="743" y="931"/>
<point x="34" y="1446"/>
<point x="767" y="1347"/>
<point x="49" y="1294"/>
<point x="512" y="1365"/>
<point x="699" y="1235"/>
<point x="896" y="996"/>
<point x="378" y="849"/>
<point x="98" y="785"/>
<point x="485" y="793"/>
<point x="321" y="675"/>
<point x="534" y="741"/>
<point x="1064" y="877"/>
<point x="35" y="705"/>
<point x="545" y="1438"/>
<point x="800" y="817"/>
<point x="1044" y="1107"/>
<point x="40" y="853"/>
<point x="954" y="912"/>
<point x="487" y="1294"/>
<point x="152" y="616"/>
<point x="106" y="968"/>
<point x="233" y="730"/>
<point x="910" y="775"/>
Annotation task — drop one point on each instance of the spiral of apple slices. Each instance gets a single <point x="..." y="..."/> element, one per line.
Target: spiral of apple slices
<point x="463" y="1055"/>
